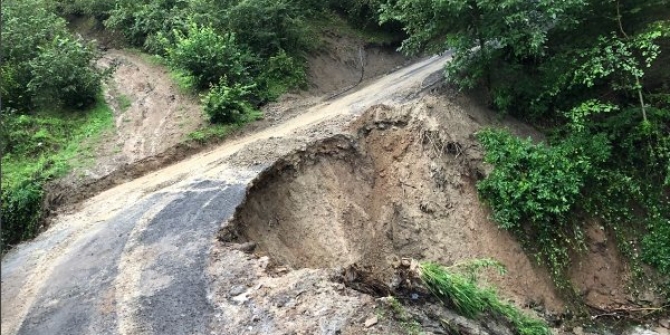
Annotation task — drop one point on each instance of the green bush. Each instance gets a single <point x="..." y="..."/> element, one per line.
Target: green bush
<point x="63" y="71"/>
<point x="534" y="189"/>
<point x="209" y="56"/>
<point x="21" y="211"/>
<point x="42" y="61"/>
<point x="228" y="104"/>
<point x="532" y="182"/>
<point x="279" y="74"/>
<point x="142" y="21"/>
<point x="96" y="8"/>
<point x="268" y="26"/>
<point x="26" y="26"/>
<point x="656" y="246"/>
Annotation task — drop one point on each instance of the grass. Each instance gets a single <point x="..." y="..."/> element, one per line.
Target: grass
<point x="463" y="294"/>
<point x="124" y="102"/>
<point x="216" y="132"/>
<point x="39" y="148"/>
<point x="65" y="131"/>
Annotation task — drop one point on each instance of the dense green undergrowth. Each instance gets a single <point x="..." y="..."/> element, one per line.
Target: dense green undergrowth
<point x="39" y="148"/>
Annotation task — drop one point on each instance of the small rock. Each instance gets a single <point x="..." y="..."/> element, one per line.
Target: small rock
<point x="371" y="322"/>
<point x="241" y="299"/>
<point x="247" y="247"/>
<point x="665" y="323"/>
<point x="236" y="290"/>
<point x="578" y="331"/>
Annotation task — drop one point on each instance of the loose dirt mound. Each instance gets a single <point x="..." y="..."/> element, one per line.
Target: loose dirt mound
<point x="403" y="185"/>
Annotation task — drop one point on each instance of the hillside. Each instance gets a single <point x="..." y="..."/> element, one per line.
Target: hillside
<point x="277" y="167"/>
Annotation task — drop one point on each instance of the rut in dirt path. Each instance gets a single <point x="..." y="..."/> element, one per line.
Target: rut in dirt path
<point x="133" y="259"/>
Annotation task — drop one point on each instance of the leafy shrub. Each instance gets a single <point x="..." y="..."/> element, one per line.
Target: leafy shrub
<point x="96" y="8"/>
<point x="63" y="71"/>
<point x="141" y="21"/>
<point x="634" y="191"/>
<point x="26" y="25"/>
<point x="14" y="77"/>
<point x="531" y="182"/>
<point x="656" y="246"/>
<point x="42" y="62"/>
<point x="534" y="188"/>
<point x="279" y="74"/>
<point x="228" y="104"/>
<point x="208" y="56"/>
<point x="268" y="26"/>
<point x="21" y="211"/>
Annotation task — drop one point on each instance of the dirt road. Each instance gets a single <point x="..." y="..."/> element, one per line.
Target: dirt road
<point x="137" y="259"/>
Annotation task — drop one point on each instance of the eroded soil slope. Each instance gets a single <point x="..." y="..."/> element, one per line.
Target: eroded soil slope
<point x="401" y="185"/>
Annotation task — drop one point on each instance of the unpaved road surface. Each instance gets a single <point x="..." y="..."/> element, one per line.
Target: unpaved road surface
<point x="139" y="258"/>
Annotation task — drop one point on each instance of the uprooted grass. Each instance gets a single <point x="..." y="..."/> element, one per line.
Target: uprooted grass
<point x="463" y="294"/>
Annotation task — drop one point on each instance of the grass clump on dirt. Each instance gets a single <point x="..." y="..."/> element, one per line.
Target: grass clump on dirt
<point x="37" y="148"/>
<point x="219" y="131"/>
<point x="463" y="294"/>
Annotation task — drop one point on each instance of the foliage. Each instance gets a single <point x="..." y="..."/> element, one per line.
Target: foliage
<point x="632" y="191"/>
<point x="141" y="22"/>
<point x="535" y="188"/>
<point x="96" y="8"/>
<point x="63" y="72"/>
<point x="279" y="74"/>
<point x="208" y="56"/>
<point x="228" y="104"/>
<point x="268" y="26"/>
<point x="481" y="32"/>
<point x="250" y="44"/>
<point x="469" y="300"/>
<point x="520" y="50"/>
<point x="42" y="62"/>
<point x="36" y="149"/>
